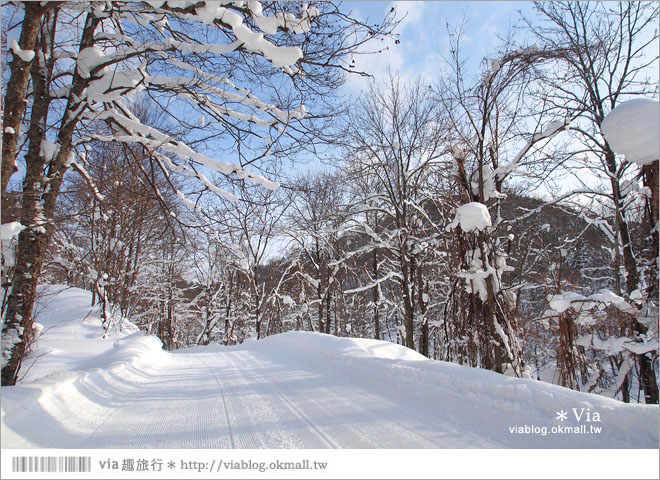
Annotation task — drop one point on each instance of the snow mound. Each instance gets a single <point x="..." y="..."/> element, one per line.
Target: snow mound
<point x="471" y="216"/>
<point x="633" y="129"/>
<point x="347" y="346"/>
<point x="72" y="337"/>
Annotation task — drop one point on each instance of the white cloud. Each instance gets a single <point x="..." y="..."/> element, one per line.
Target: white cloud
<point x="396" y="57"/>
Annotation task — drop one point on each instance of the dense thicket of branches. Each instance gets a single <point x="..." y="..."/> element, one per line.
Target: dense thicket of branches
<point x="555" y="279"/>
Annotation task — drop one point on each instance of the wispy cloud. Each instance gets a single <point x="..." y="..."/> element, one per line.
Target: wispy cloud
<point x="423" y="37"/>
<point x="395" y="56"/>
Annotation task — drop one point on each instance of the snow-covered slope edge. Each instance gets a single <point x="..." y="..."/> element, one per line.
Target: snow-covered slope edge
<point x="92" y="391"/>
<point x="484" y="401"/>
<point x="75" y="366"/>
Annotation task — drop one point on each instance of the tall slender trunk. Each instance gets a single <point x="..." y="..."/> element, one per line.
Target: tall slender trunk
<point x="629" y="261"/>
<point x="376" y="296"/>
<point x="15" y="101"/>
<point x="408" y="308"/>
<point x="650" y="177"/>
<point x="40" y="195"/>
<point x="424" y="339"/>
<point x="328" y="313"/>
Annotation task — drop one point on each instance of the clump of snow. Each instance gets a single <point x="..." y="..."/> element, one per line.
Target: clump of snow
<point x="489" y="188"/>
<point x="633" y="129"/>
<point x="10" y="130"/>
<point x="25" y="55"/>
<point x="563" y="301"/>
<point x="471" y="217"/>
<point x="10" y="230"/>
<point x="8" y="233"/>
<point x="88" y="59"/>
<point x="549" y="130"/>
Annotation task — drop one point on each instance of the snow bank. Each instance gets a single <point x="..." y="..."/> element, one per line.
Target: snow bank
<point x="346" y="346"/>
<point x="296" y="389"/>
<point x="471" y="216"/>
<point x="72" y="370"/>
<point x="476" y="400"/>
<point x="633" y="129"/>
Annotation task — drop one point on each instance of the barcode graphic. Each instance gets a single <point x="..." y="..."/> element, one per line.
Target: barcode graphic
<point x="51" y="464"/>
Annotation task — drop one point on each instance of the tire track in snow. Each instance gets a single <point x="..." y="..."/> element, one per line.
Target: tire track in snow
<point x="410" y="411"/>
<point x="224" y="400"/>
<point x="171" y="410"/>
<point x="358" y="437"/>
<point x="85" y="443"/>
<point x="405" y="436"/>
<point x="277" y="417"/>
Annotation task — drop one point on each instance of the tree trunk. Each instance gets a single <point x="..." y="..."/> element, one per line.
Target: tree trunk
<point x="39" y="198"/>
<point x="15" y="102"/>
<point x="408" y="310"/>
<point x="650" y="175"/>
<point x="629" y="262"/>
<point x="376" y="296"/>
<point x="328" y="314"/>
<point x="33" y="240"/>
<point x="648" y="379"/>
<point x="424" y="339"/>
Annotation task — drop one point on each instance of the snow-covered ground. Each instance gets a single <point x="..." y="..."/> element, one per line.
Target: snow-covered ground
<point x="300" y="390"/>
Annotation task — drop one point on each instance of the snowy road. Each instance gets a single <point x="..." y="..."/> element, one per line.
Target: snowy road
<point x="295" y="390"/>
<point x="241" y="399"/>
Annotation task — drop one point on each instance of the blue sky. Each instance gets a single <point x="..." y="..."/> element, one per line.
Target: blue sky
<point x="423" y="33"/>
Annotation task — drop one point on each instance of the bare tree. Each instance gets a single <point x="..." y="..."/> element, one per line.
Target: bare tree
<point x="395" y="138"/>
<point x="318" y="212"/>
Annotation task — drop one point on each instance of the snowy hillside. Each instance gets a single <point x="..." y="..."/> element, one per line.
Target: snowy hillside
<point x="298" y="390"/>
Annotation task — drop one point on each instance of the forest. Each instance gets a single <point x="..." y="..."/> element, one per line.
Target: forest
<point x="200" y="168"/>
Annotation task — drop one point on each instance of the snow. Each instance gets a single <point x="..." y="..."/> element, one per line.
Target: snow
<point x="563" y="301"/>
<point x="49" y="150"/>
<point x="615" y="345"/>
<point x="10" y="130"/>
<point x="25" y="55"/>
<point x="633" y="129"/>
<point x="489" y="189"/>
<point x="293" y="390"/>
<point x="10" y="230"/>
<point x="471" y="217"/>
<point x="8" y="233"/>
<point x="88" y="59"/>
<point x="550" y="130"/>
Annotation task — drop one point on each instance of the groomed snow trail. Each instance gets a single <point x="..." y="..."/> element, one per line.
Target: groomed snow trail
<point x="294" y="390"/>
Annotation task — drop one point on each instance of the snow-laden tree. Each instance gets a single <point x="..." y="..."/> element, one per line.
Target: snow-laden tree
<point x="318" y="213"/>
<point x="603" y="52"/>
<point x="395" y="139"/>
<point x="497" y="132"/>
<point x="631" y="129"/>
<point x="239" y="73"/>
